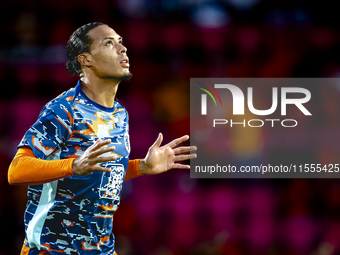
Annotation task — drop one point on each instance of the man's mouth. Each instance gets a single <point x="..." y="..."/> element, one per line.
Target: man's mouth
<point x="125" y="62"/>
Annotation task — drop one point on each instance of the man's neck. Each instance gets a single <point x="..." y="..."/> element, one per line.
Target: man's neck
<point x="101" y="91"/>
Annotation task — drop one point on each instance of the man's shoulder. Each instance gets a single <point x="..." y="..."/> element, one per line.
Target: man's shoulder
<point x="118" y="105"/>
<point x="61" y="104"/>
<point x="67" y="97"/>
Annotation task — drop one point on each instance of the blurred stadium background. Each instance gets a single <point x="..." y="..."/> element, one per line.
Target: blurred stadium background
<point x="168" y="42"/>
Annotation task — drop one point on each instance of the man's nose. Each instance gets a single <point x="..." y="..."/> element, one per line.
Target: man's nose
<point x="123" y="50"/>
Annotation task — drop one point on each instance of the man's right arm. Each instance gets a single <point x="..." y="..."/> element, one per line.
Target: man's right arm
<point x="26" y="169"/>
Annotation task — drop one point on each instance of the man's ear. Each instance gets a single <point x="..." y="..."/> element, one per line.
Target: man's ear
<point x="85" y="59"/>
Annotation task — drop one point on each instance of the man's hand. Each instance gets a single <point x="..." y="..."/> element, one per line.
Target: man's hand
<point x="87" y="163"/>
<point x="160" y="159"/>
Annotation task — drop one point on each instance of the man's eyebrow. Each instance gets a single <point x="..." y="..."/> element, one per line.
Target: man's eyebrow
<point x="119" y="38"/>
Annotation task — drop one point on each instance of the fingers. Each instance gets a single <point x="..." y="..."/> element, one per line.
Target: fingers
<point x="178" y="141"/>
<point x="180" y="166"/>
<point x="100" y="143"/>
<point x="185" y="157"/>
<point x="101" y="169"/>
<point x="95" y="144"/>
<point x="100" y="147"/>
<point x="102" y="150"/>
<point x="158" y="142"/>
<point x="94" y="155"/>
<point x="104" y="159"/>
<point x="184" y="149"/>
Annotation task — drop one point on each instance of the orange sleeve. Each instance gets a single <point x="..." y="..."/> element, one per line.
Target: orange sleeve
<point x="132" y="169"/>
<point x="27" y="169"/>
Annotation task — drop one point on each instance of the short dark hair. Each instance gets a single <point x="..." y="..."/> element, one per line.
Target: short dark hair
<point x="78" y="43"/>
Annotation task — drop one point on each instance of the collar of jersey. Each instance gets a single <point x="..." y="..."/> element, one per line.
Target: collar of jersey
<point x="101" y="107"/>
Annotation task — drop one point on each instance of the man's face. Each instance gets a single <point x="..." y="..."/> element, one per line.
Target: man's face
<point x="108" y="55"/>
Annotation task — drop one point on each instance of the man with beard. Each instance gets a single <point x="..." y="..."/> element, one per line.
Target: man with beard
<point x="76" y="156"/>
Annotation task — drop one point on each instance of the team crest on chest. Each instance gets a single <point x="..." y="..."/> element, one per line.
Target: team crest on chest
<point x="111" y="182"/>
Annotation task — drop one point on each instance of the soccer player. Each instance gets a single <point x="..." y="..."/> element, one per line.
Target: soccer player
<point x="76" y="155"/>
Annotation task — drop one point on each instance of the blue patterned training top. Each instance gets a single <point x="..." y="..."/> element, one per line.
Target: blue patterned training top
<point x="74" y="215"/>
